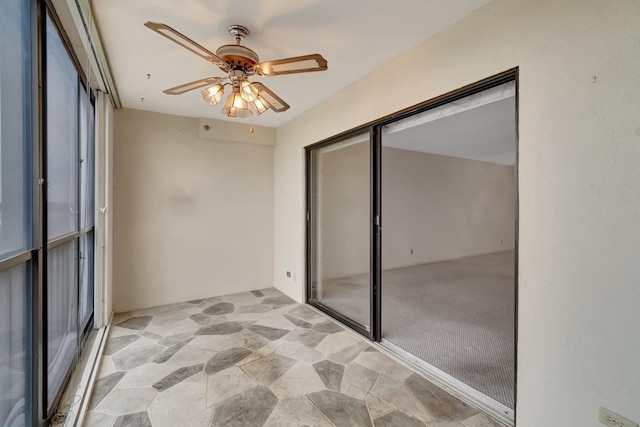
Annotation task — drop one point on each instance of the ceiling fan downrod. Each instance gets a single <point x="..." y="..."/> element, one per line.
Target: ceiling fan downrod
<point x="238" y="32"/>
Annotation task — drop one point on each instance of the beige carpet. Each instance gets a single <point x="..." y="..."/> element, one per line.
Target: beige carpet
<point x="457" y="316"/>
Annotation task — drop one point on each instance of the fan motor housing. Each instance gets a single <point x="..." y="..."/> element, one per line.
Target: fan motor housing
<point x="236" y="56"/>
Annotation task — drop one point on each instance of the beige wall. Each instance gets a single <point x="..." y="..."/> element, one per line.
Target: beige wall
<point x="444" y="208"/>
<point x="193" y="216"/>
<point x="441" y="207"/>
<point x="579" y="151"/>
<point x="344" y="211"/>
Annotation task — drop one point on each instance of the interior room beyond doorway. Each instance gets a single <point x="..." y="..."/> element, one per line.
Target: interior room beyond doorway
<point x="448" y="241"/>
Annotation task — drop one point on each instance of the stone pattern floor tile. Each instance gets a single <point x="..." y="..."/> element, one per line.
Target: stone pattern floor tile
<point x="103" y="386"/>
<point x="98" y="419"/>
<point x="170" y="352"/>
<point x="257" y="359"/>
<point x="177" y="376"/>
<point x="139" y="419"/>
<point x="396" y="419"/>
<point x="126" y="401"/>
<point x="226" y="384"/>
<point x="330" y="373"/>
<point x="298" y="322"/>
<point x="300" y="380"/>
<point x="340" y="409"/>
<point x="327" y="326"/>
<point x="307" y="337"/>
<point x="301" y="412"/>
<point x="174" y="405"/>
<point x="137" y="323"/>
<point x="132" y="357"/>
<point x="268" y="332"/>
<point x="226" y="359"/>
<point x="118" y="343"/>
<point x="438" y="402"/>
<point x="265" y="370"/>
<point x="249" y="409"/>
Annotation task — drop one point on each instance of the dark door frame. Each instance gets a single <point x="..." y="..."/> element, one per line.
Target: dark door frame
<point x="374" y="128"/>
<point x="309" y="171"/>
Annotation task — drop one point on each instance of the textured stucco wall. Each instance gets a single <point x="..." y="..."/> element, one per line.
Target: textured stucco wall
<point x="579" y="142"/>
<point x="193" y="216"/>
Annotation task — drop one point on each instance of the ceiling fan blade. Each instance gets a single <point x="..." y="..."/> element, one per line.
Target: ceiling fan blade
<point x="298" y="64"/>
<point x="275" y="102"/>
<point x="184" y="41"/>
<point x="193" y="85"/>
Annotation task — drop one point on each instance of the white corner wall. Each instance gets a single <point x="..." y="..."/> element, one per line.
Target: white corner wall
<point x="579" y="181"/>
<point x="193" y="216"/>
<point x="437" y="208"/>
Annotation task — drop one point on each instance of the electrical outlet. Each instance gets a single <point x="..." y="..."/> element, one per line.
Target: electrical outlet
<point x="411" y="251"/>
<point x="288" y="274"/>
<point x="614" y="420"/>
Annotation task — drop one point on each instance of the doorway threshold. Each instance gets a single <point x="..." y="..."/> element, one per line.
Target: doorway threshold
<point x="498" y="411"/>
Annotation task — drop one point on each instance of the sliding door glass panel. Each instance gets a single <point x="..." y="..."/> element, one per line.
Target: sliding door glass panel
<point x="87" y="216"/>
<point x="13" y="333"/>
<point x="87" y="163"/>
<point x="448" y="240"/>
<point x="62" y="310"/>
<point x="15" y="211"/>
<point x="15" y="224"/>
<point x="340" y="233"/>
<point x="62" y="138"/>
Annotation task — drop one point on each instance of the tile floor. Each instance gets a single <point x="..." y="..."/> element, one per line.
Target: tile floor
<point x="257" y="359"/>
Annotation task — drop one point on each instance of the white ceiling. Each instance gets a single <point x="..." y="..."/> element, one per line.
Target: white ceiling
<point x="355" y="37"/>
<point x="486" y="133"/>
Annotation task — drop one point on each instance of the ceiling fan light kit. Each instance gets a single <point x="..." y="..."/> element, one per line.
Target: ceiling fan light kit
<point x="249" y="92"/>
<point x="213" y="95"/>
<point x="239" y="62"/>
<point x="236" y="105"/>
<point x="260" y="105"/>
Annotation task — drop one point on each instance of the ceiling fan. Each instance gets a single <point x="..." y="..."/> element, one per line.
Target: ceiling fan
<point x="239" y="63"/>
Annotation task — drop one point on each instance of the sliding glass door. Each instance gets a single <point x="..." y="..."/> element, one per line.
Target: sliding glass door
<point x="440" y="285"/>
<point x="339" y="232"/>
<point x="47" y="212"/>
<point x="448" y="249"/>
<point x="70" y="213"/>
<point x="17" y="243"/>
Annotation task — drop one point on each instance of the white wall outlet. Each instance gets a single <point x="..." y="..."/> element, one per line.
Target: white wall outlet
<point x="614" y="420"/>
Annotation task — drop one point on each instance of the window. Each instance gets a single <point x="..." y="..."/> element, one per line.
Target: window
<point x="87" y="210"/>
<point x="62" y="138"/>
<point x="13" y="333"/>
<point x="15" y="199"/>
<point x="15" y="211"/>
<point x="64" y="237"/>
<point x="70" y="211"/>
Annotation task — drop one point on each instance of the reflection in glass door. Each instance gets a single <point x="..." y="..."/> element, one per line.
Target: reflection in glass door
<point x="339" y="233"/>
